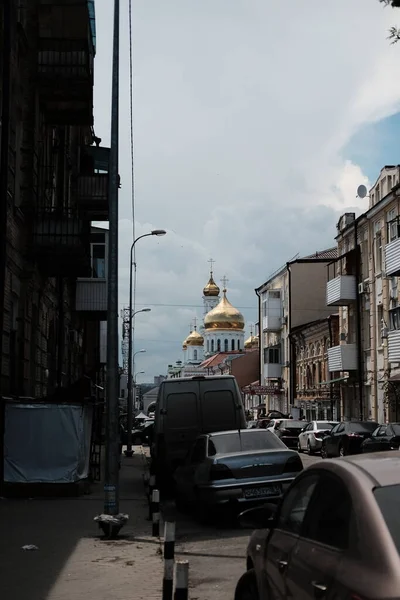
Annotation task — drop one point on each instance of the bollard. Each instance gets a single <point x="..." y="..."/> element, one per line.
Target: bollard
<point x="182" y="580"/>
<point x="152" y="485"/>
<point x="155" y="510"/>
<point x="169" y="555"/>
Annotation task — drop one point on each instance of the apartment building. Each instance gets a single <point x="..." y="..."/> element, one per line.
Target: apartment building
<point x="292" y="296"/>
<point x="363" y="284"/>
<point x="53" y="184"/>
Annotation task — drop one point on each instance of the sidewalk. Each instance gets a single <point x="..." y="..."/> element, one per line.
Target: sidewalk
<point x="72" y="562"/>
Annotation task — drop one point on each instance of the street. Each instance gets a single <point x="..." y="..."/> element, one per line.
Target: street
<point x="216" y="554"/>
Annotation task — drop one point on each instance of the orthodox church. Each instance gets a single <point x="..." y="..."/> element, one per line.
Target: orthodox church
<point x="222" y="331"/>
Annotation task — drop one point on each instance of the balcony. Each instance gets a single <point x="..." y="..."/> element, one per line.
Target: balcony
<point x="342" y="358"/>
<point x="272" y="323"/>
<point x="341" y="291"/>
<point x="392" y="258"/>
<point x="272" y="371"/>
<point x="394" y="346"/>
<point x="91" y="298"/>
<point x="65" y="80"/>
<point x="61" y="242"/>
<point x="92" y="188"/>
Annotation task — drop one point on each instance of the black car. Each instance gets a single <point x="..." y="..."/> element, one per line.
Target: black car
<point x="346" y="438"/>
<point x="386" y="437"/>
<point x="288" y="431"/>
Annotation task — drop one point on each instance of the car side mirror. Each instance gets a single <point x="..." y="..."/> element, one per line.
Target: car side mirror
<point x="260" y="517"/>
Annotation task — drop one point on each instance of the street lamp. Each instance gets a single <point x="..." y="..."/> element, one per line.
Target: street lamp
<point x="156" y="232"/>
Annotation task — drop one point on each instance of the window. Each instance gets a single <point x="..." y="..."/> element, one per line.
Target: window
<point x="238" y="344"/>
<point x="233" y="345"/>
<point x="194" y="354"/>
<point x="366" y="329"/>
<point x="294" y="506"/>
<point x="272" y="356"/>
<point x="199" y="451"/>
<point x="122" y="393"/>
<point x="390" y="185"/>
<point x="394" y="300"/>
<point x="394" y="319"/>
<point x="98" y="260"/>
<point x="381" y="432"/>
<point x="208" y="345"/>
<point x="212" y="345"/>
<point x="274" y="294"/>
<point x="388" y="499"/>
<point x="378" y="253"/>
<point x="331" y="514"/>
<point x="226" y="345"/>
<point x="218" y="345"/>
<point x="247" y="441"/>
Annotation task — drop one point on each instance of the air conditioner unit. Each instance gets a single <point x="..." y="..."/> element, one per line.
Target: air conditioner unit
<point x="361" y="288"/>
<point x="384" y="333"/>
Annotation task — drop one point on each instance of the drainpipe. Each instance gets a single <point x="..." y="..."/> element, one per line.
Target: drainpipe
<point x="330" y="374"/>
<point x="358" y="326"/>
<point x="5" y="133"/>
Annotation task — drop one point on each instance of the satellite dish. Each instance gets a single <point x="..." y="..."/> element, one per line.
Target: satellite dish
<point x="361" y="191"/>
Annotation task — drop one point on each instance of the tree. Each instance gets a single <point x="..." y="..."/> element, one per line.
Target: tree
<point x="394" y="32"/>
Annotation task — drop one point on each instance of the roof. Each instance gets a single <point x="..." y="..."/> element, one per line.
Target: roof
<point x="152" y="392"/>
<point x="323" y="254"/>
<point x="217" y="359"/>
<point x="382" y="468"/>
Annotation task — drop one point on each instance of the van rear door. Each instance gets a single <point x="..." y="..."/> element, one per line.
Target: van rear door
<point x="221" y="405"/>
<point x="181" y="426"/>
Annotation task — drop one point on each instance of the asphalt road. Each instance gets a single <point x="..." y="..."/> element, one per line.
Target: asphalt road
<point x="216" y="553"/>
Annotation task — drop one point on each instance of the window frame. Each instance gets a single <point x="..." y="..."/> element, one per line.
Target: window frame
<point x="310" y="475"/>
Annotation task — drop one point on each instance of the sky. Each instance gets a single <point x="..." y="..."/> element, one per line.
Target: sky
<point x="254" y="123"/>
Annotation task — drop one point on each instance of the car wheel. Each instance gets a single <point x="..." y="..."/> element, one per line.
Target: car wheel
<point x="246" y="588"/>
<point x="309" y="449"/>
<point x="342" y="451"/>
<point x="324" y="453"/>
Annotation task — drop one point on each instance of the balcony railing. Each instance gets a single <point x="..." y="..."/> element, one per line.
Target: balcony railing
<point x="65" y="77"/>
<point x="342" y="358"/>
<point x="93" y="185"/>
<point x="341" y="291"/>
<point x="61" y="242"/>
<point x="91" y="298"/>
<point x="394" y="346"/>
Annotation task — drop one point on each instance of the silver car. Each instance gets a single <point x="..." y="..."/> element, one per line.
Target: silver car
<point x="310" y="439"/>
<point x="235" y="468"/>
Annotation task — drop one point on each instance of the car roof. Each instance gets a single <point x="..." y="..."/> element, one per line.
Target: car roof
<point x="196" y="378"/>
<point x="381" y="468"/>
<point x="242" y="431"/>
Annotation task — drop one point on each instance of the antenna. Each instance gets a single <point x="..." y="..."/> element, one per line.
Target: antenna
<point x="362" y="191"/>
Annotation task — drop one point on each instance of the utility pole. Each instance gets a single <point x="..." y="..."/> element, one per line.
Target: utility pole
<point x="111" y="484"/>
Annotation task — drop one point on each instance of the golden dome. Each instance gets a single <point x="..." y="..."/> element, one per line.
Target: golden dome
<point x="194" y="339"/>
<point x="224" y="316"/>
<point x="251" y="342"/>
<point x="211" y="289"/>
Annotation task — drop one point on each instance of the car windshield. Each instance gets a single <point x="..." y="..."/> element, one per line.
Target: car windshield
<point x="246" y="441"/>
<point x="388" y="499"/>
<point x="290" y="424"/>
<point x="325" y="425"/>
<point x="363" y="427"/>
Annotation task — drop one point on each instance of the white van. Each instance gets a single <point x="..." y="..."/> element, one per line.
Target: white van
<point x="186" y="408"/>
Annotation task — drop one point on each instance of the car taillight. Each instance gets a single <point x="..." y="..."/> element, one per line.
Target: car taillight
<point x="293" y="465"/>
<point x="357" y="435"/>
<point x="220" y="472"/>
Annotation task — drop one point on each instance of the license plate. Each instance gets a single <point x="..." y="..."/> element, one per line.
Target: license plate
<point x="262" y="492"/>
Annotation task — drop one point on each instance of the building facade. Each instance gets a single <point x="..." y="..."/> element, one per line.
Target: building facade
<point x="363" y="284"/>
<point x="293" y="296"/>
<point x="53" y="184"/>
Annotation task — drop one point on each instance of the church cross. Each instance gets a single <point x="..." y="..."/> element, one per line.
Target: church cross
<point x="195" y="323"/>
<point x="224" y="281"/>
<point x="211" y="261"/>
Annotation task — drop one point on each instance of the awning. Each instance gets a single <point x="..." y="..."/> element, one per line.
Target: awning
<point x="394" y="379"/>
<point x="333" y="380"/>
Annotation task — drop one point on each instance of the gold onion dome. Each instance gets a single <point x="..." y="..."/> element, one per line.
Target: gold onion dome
<point x="211" y="289"/>
<point x="194" y="339"/>
<point x="224" y="316"/>
<point x="251" y="342"/>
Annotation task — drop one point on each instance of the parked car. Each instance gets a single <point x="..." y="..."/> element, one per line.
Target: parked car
<point x="251" y="424"/>
<point x="335" y="534"/>
<point x="268" y="423"/>
<point x="288" y="431"/>
<point x="385" y="437"/>
<point x="346" y="438"/>
<point x="311" y="436"/>
<point x="234" y="468"/>
<point x="186" y="408"/>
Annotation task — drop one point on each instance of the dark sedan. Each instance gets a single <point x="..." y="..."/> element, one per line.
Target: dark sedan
<point x="233" y="468"/>
<point x="288" y="431"/>
<point x="385" y="437"/>
<point x="346" y="438"/>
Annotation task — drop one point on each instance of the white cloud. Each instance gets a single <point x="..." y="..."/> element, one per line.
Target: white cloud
<point x="242" y="109"/>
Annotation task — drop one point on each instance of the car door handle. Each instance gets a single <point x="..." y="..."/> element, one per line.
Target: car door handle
<point x="282" y="565"/>
<point x="319" y="589"/>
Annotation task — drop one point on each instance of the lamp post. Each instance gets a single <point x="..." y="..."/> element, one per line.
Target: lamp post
<point x="134" y="387"/>
<point x="157" y="232"/>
